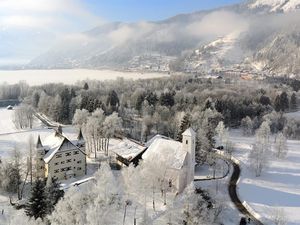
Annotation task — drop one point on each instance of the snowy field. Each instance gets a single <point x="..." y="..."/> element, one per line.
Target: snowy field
<point x="7" y="125"/>
<point x="10" y="136"/>
<point x="37" y="77"/>
<point x="279" y="185"/>
<point x="218" y="189"/>
<point x="293" y="115"/>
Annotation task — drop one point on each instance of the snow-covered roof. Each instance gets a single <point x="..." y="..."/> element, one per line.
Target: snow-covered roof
<point x="158" y="136"/>
<point x="52" y="143"/>
<point x="167" y="151"/>
<point x="189" y="132"/>
<point x="127" y="149"/>
<point x="55" y="142"/>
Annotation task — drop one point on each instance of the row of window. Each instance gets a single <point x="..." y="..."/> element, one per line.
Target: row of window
<point x="66" y="169"/>
<point x="68" y="161"/>
<point x="67" y="154"/>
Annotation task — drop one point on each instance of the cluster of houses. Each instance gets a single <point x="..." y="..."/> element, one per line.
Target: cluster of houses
<point x="62" y="158"/>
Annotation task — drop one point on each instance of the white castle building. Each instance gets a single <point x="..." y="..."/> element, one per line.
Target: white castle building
<point x="59" y="157"/>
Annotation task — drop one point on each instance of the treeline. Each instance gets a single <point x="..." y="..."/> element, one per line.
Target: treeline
<point x="14" y="91"/>
<point x="159" y="105"/>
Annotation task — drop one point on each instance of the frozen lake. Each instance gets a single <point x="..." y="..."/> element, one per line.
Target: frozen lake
<point x="36" y="77"/>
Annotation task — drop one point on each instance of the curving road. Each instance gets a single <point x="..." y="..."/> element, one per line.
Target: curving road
<point x="232" y="189"/>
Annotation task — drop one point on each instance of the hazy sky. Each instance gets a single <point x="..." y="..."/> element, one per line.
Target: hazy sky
<point x="28" y="27"/>
<point x="134" y="10"/>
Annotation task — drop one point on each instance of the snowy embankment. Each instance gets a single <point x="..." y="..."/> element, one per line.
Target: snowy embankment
<point x="279" y="185"/>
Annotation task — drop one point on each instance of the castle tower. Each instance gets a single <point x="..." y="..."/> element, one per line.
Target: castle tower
<point x="40" y="153"/>
<point x="80" y="140"/>
<point x="189" y="145"/>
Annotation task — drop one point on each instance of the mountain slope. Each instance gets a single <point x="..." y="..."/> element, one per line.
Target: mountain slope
<point x="281" y="55"/>
<point x="256" y="32"/>
<point x="275" y="5"/>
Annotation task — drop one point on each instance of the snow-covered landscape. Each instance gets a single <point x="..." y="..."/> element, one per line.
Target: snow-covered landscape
<point x="149" y="113"/>
<point x="277" y="188"/>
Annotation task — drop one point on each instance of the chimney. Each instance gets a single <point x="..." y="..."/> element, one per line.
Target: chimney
<point x="58" y="131"/>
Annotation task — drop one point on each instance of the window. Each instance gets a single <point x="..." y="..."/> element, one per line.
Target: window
<point x="78" y="168"/>
<point x="56" y="163"/>
<point x="42" y="167"/>
<point x="186" y="142"/>
<point x="69" y="160"/>
<point x="62" y="169"/>
<point x="79" y="161"/>
<point x="76" y="152"/>
<point x="56" y="171"/>
<point x="58" y="156"/>
<point x="68" y="153"/>
<point x="170" y="183"/>
<point x="68" y="168"/>
<point x="62" y="162"/>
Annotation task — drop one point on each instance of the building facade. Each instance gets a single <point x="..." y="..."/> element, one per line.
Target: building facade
<point x="59" y="157"/>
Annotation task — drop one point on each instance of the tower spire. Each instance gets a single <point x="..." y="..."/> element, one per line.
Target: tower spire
<point x="39" y="143"/>
<point x="80" y="136"/>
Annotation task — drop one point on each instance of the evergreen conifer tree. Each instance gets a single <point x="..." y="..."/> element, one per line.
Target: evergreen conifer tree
<point x="37" y="204"/>
<point x="185" y="124"/>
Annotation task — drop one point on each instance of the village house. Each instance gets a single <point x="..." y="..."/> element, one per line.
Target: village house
<point x="59" y="157"/>
<point x="128" y="151"/>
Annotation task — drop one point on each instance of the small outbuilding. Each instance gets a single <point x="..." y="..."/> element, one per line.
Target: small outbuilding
<point x="10" y="107"/>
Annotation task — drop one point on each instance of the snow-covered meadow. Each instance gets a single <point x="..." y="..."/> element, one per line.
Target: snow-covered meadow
<point x="279" y="185"/>
<point x="11" y="136"/>
<point x="70" y="76"/>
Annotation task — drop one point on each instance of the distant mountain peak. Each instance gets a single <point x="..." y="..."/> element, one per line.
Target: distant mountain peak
<point x="275" y="5"/>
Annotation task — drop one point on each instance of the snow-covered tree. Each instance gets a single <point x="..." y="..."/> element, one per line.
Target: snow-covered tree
<point x="220" y="130"/>
<point x="23" y="116"/>
<point x="107" y="207"/>
<point x="80" y="117"/>
<point x="12" y="173"/>
<point x="279" y="217"/>
<point x="111" y="126"/>
<point x="260" y="153"/>
<point x="190" y="208"/>
<point x="280" y="146"/>
<point x="56" y="108"/>
<point x="247" y="126"/>
<point x="93" y="131"/>
<point x="95" y="203"/>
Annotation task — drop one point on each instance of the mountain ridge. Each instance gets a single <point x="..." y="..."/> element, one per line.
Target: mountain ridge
<point x="195" y="42"/>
